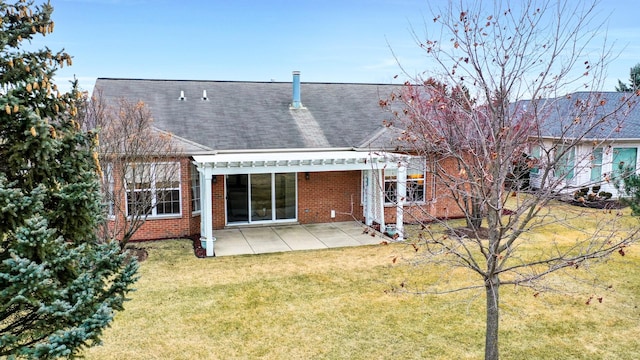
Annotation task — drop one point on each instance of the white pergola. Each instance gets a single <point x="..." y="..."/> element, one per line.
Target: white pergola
<point x="370" y="162"/>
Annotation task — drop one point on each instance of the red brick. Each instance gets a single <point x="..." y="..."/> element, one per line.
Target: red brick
<point x="317" y="196"/>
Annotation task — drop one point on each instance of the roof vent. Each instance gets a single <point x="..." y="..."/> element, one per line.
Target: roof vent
<point x="182" y="98"/>
<point x="204" y="95"/>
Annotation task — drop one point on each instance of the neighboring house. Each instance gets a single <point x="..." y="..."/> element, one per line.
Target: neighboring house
<point x="599" y="158"/>
<point x="279" y="153"/>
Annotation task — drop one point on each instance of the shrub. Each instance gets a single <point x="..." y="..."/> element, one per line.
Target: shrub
<point x="605" y="195"/>
<point x="580" y="193"/>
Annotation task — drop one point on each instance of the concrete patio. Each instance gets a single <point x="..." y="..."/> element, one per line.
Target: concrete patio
<point x="281" y="238"/>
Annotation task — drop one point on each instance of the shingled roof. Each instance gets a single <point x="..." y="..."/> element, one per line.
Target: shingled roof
<point x="238" y="115"/>
<point x="608" y="115"/>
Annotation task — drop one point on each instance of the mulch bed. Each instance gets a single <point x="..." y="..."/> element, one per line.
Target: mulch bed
<point x="139" y="253"/>
<point x="597" y="204"/>
<point x="198" y="250"/>
<point x="142" y="254"/>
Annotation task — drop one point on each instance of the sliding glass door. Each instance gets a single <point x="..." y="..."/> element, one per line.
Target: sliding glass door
<point x="261" y="197"/>
<point x="285" y="196"/>
<point x="237" y="198"/>
<point x="261" y="204"/>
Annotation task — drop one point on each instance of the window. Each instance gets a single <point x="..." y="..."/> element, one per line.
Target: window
<point x="535" y="156"/>
<point x="415" y="182"/>
<point x="109" y="185"/>
<point x="624" y="161"/>
<point x="565" y="162"/>
<point x="195" y="189"/>
<point x="153" y="189"/>
<point x="261" y="197"/>
<point x="390" y="179"/>
<point x="596" y="165"/>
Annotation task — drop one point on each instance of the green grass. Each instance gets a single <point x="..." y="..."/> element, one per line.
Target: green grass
<point x="336" y="304"/>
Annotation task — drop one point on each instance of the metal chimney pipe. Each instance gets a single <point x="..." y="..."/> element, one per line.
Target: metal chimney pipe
<point x="296" y="104"/>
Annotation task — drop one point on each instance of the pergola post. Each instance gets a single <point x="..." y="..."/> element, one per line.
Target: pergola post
<point x="380" y="198"/>
<point x="401" y="196"/>
<point x="201" y="181"/>
<point x="371" y="163"/>
<point x="368" y="201"/>
<point x="206" y="211"/>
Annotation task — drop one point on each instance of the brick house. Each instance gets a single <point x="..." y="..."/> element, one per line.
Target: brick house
<point x="279" y="153"/>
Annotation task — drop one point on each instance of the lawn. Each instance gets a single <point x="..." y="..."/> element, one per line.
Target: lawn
<point x="337" y="304"/>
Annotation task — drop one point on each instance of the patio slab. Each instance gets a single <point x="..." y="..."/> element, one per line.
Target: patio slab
<point x="299" y="238"/>
<point x="233" y="243"/>
<point x="264" y="240"/>
<point x="281" y="238"/>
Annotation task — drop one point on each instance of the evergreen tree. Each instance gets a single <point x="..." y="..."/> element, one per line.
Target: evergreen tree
<point x="632" y="192"/>
<point x="59" y="284"/>
<point x="629" y="187"/>
<point x="634" y="80"/>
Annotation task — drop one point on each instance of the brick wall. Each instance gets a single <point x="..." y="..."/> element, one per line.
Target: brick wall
<point x="326" y="191"/>
<point x="173" y="227"/>
<point x="218" y="202"/>
<point x="438" y="201"/>
<point x="317" y="196"/>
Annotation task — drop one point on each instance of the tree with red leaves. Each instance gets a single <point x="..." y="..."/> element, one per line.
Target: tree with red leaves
<point x="502" y="88"/>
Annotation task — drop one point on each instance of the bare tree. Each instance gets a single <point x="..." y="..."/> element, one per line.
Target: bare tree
<point x="502" y="90"/>
<point x="140" y="166"/>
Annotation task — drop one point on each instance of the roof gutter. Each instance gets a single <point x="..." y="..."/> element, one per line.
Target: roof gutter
<point x="283" y="150"/>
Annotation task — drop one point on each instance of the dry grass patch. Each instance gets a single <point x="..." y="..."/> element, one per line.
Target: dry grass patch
<point x="336" y="304"/>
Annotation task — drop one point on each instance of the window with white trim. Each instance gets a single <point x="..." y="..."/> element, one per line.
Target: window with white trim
<point x="565" y="162"/>
<point x="153" y="188"/>
<point x="535" y="156"/>
<point x="415" y="182"/>
<point x="596" y="165"/>
<point x="195" y="189"/>
<point x="624" y="162"/>
<point x="109" y="192"/>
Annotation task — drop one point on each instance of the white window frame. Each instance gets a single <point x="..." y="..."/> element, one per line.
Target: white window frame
<point x="595" y="174"/>
<point x="153" y="189"/>
<point x="415" y="168"/>
<point x="615" y="172"/>
<point x="565" y="164"/>
<point x="535" y="152"/>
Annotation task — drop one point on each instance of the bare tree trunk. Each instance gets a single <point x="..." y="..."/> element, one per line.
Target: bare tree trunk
<point x="125" y="239"/>
<point x="474" y="221"/>
<point x="491" y="99"/>
<point x="492" y="288"/>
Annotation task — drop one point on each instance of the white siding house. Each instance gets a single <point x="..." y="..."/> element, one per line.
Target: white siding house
<point x="598" y="159"/>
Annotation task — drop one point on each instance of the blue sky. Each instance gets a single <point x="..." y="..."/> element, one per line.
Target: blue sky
<point x="263" y="40"/>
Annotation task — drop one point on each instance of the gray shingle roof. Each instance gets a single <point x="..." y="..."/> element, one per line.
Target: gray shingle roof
<point x="256" y="115"/>
<point x="241" y="115"/>
<point x="611" y="115"/>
